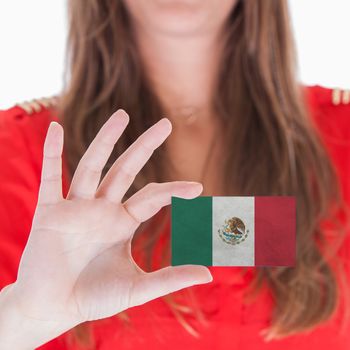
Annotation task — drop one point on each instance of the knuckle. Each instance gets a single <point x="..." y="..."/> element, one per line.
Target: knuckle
<point x="146" y="148"/>
<point x="80" y="194"/>
<point x="126" y="173"/>
<point x="51" y="178"/>
<point x="88" y="167"/>
<point x="48" y="156"/>
<point x="167" y="273"/>
<point x="152" y="206"/>
<point x="133" y="217"/>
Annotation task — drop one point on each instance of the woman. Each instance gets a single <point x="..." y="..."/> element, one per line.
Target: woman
<point x="237" y="123"/>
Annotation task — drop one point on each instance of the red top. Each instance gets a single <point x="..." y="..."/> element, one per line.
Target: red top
<point x="232" y="323"/>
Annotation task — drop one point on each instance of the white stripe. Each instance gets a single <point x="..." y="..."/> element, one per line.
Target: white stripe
<point x="225" y="254"/>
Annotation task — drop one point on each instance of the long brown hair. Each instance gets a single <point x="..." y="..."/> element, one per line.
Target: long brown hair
<point x="273" y="147"/>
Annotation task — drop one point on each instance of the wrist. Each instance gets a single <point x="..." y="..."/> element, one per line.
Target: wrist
<point x="21" y="331"/>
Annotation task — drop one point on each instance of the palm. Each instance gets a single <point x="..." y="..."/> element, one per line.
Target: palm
<point x="107" y="268"/>
<point x="77" y="263"/>
<point x="108" y="281"/>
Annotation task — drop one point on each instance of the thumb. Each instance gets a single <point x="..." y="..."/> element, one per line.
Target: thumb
<point x="169" y="279"/>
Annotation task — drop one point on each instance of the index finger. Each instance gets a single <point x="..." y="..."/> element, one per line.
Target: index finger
<point x="88" y="173"/>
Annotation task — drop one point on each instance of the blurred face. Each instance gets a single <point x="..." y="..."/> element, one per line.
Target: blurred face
<point x="179" y="17"/>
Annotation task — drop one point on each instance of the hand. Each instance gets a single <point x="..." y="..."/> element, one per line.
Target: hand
<point x="77" y="264"/>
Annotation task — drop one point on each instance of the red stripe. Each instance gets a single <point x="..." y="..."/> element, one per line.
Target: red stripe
<point x="275" y="222"/>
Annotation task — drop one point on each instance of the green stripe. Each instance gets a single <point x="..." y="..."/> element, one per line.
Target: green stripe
<point x="191" y="231"/>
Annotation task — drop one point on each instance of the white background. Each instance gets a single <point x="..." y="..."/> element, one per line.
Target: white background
<point x="33" y="35"/>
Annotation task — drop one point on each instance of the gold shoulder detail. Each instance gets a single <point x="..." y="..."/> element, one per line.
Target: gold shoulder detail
<point x="340" y="96"/>
<point x="346" y="97"/>
<point x="36" y="105"/>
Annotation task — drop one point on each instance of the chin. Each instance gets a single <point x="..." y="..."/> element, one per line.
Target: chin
<point x="179" y="17"/>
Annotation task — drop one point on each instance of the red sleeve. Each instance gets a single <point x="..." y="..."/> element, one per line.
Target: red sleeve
<point x="333" y="122"/>
<point x="19" y="181"/>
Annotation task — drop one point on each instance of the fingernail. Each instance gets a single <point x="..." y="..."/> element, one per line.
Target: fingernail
<point x="53" y="124"/>
<point x="206" y="280"/>
<point x="166" y="122"/>
<point x="206" y="276"/>
<point x="189" y="190"/>
<point x="120" y="115"/>
<point x="54" y="128"/>
<point x="196" y="185"/>
<point x="210" y="276"/>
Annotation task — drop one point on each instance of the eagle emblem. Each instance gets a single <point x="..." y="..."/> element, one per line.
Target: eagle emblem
<point x="233" y="231"/>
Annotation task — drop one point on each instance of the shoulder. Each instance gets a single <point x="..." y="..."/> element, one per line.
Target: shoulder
<point x="24" y="125"/>
<point x="320" y="95"/>
<point x="35" y="112"/>
<point x="330" y="111"/>
<point x="329" y="108"/>
<point x="23" y="129"/>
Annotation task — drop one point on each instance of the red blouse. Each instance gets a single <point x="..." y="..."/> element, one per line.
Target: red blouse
<point x="232" y="323"/>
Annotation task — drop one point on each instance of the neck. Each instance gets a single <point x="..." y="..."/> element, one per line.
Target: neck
<point x="182" y="71"/>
